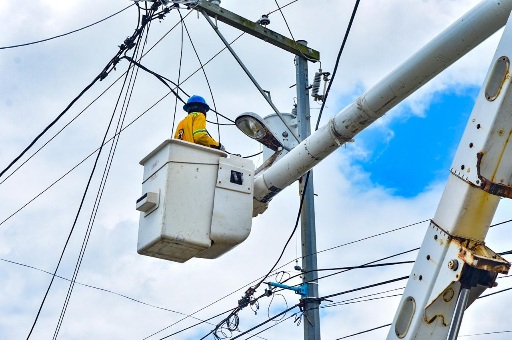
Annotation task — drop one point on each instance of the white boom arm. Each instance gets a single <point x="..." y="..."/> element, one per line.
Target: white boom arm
<point x="449" y="46"/>
<point x="454" y="266"/>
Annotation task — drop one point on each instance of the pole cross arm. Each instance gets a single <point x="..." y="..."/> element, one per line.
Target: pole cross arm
<point x="258" y="31"/>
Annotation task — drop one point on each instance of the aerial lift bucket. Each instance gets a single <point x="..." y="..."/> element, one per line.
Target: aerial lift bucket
<point x="196" y="202"/>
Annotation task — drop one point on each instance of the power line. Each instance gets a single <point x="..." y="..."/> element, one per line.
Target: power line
<point x="497" y="292"/>
<point x="359" y="298"/>
<point x="204" y="73"/>
<point x="106" y="171"/>
<point x="112" y="63"/>
<point x="274" y="325"/>
<point x="281" y="7"/>
<point x="72" y="229"/>
<point x="179" y="77"/>
<point x="68" y="33"/>
<point x="264" y="277"/>
<point x="265" y="322"/>
<point x="108" y="88"/>
<point x="187" y="328"/>
<point x="100" y="289"/>
<point x="246" y="299"/>
<point x="363" y="266"/>
<point x="92" y="153"/>
<point x="354" y="11"/>
<point x="251" y="290"/>
<point x="366" y="331"/>
<point x="127" y="45"/>
<point x="486" y="333"/>
<point x="323" y="298"/>
<point x="351" y="268"/>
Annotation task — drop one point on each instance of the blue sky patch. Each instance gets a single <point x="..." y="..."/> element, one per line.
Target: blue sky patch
<point x="412" y="152"/>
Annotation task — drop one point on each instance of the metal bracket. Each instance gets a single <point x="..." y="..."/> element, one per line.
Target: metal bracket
<point x="498" y="189"/>
<point x="302" y="289"/>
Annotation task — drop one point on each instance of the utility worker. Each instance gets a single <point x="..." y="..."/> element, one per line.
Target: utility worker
<point x="193" y="127"/>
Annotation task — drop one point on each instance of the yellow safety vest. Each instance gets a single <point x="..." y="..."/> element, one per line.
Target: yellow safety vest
<point x="193" y="129"/>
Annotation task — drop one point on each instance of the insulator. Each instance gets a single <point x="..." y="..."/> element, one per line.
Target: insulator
<point x="264" y="20"/>
<point x="316" y="84"/>
<point x="294" y="110"/>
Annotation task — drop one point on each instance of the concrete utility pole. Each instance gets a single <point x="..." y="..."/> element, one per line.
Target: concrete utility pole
<point x="308" y="231"/>
<point x="303" y="55"/>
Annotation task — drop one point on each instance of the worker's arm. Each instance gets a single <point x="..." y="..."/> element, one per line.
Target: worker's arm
<point x="201" y="136"/>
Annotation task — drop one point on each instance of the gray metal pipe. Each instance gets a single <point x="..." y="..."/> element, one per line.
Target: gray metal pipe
<point x="449" y="46"/>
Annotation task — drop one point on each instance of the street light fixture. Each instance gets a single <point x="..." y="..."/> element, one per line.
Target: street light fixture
<point x="253" y="126"/>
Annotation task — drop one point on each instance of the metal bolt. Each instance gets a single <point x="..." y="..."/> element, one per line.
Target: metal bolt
<point x="453" y="265"/>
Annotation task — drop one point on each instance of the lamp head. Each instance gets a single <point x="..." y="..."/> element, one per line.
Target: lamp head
<point x="253" y="126"/>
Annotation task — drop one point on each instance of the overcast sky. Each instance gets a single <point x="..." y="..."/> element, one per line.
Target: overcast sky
<point x="392" y="176"/>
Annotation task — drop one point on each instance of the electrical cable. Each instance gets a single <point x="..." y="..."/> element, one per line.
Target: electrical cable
<point x="282" y="7"/>
<point x="127" y="45"/>
<point x="356" y="241"/>
<point x="68" y="33"/>
<point x="272" y="300"/>
<point x="164" y="80"/>
<point x="110" y="86"/>
<point x="233" y="312"/>
<point x="279" y="8"/>
<point x="100" y="289"/>
<point x="358" y="301"/>
<point x="326" y="276"/>
<point x="370" y="262"/>
<point x="366" y="331"/>
<point x="250" y="283"/>
<point x="291" y="235"/>
<point x="500" y="223"/>
<point x="179" y="77"/>
<point x="354" y="11"/>
<point x="265" y="322"/>
<point x="497" y="292"/>
<point x="254" y="155"/>
<point x="204" y="73"/>
<point x="486" y="333"/>
<point x="359" y="298"/>
<point x="159" y="77"/>
<point x="51" y="185"/>
<point x="72" y="229"/>
<point x="131" y="84"/>
<point x="81" y="162"/>
<point x="189" y="327"/>
<point x="275" y="324"/>
<point x="62" y="129"/>
<point x="251" y="290"/>
<point x="366" y="264"/>
<point x="363" y="266"/>
<point x="323" y="298"/>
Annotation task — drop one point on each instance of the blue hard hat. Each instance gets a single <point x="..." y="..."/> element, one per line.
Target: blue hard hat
<point x="196" y="100"/>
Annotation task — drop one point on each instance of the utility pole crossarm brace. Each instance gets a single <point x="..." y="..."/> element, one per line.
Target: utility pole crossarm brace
<point x="258" y="31"/>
